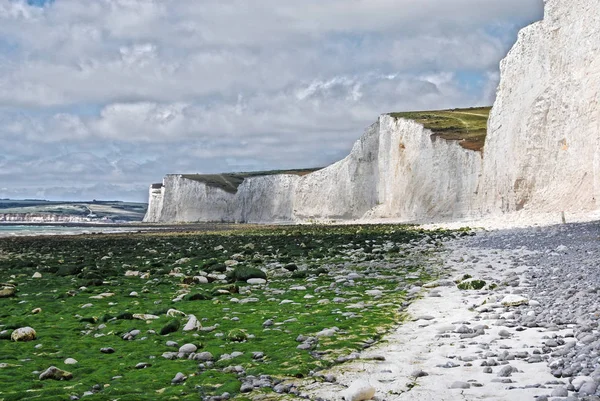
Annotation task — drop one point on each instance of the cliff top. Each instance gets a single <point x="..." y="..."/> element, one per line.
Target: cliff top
<point x="469" y="126"/>
<point x="229" y="182"/>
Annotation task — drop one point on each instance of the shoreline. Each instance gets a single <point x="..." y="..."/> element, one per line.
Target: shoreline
<point x="465" y="344"/>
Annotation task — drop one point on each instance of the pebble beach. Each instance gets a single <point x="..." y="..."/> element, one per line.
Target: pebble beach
<point x="531" y="333"/>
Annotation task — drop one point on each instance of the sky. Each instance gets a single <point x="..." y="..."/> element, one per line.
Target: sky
<point x="101" y="98"/>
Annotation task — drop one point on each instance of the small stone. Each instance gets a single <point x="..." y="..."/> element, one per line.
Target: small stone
<point x="36" y="311"/>
<point x="179" y="378"/>
<point x="70" y="361"/>
<point x="560" y="392"/>
<point x="504" y="333"/>
<point x="145" y="316"/>
<point x="327" y="332"/>
<point x="131" y="335"/>
<point x="506" y="371"/>
<point x="282" y="388"/>
<point x="107" y="350"/>
<point x="7" y="290"/>
<point x="359" y="390"/>
<point x="514" y="300"/>
<point x="590" y="338"/>
<point x="142" y="365"/>
<point x="187" y="348"/>
<point x="461" y="385"/>
<point x="204" y="356"/>
<point x="561" y="249"/>
<point x="578" y="381"/>
<point x="55" y="373"/>
<point x="256" y="281"/>
<point x="171" y="344"/>
<point x="37" y="275"/>
<point x="448" y="365"/>
<point x="418" y="373"/>
<point x="23" y="334"/>
<point x="170" y="355"/>
<point x="588" y="388"/>
<point x="192" y="324"/>
<point x="354" y="276"/>
<point x="175" y="313"/>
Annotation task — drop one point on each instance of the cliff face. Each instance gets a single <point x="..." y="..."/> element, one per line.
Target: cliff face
<point x="346" y="189"/>
<point x="421" y="176"/>
<point x="542" y="148"/>
<point x="155" y="202"/>
<point x="396" y="170"/>
<point x="185" y="200"/>
<point x="264" y="199"/>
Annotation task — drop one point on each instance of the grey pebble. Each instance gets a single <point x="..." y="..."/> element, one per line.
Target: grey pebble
<point x="142" y="365"/>
<point x="559" y="392"/>
<point x="179" y="378"/>
<point x="419" y="373"/>
<point x="107" y="350"/>
<point x="506" y="371"/>
<point x="461" y="385"/>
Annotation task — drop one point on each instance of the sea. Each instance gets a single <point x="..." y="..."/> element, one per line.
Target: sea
<point x="16" y="230"/>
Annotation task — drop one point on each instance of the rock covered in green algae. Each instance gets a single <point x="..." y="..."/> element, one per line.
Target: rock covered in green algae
<point x="54" y="373"/>
<point x="23" y="334"/>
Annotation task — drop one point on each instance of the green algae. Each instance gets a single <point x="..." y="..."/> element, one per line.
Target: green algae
<point x="76" y="321"/>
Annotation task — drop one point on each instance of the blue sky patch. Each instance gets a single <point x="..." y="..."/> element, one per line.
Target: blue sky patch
<point x="39" y="3"/>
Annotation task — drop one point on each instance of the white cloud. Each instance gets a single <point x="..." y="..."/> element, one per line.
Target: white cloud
<point x="148" y="87"/>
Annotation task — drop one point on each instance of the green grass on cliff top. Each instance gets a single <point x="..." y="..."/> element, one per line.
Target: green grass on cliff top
<point x="469" y="126"/>
<point x="229" y="182"/>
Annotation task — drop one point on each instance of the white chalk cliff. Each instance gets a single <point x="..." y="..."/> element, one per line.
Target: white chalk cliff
<point x="396" y="170"/>
<point x="542" y="151"/>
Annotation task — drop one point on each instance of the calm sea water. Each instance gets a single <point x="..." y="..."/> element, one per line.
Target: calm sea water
<point x="27" y="230"/>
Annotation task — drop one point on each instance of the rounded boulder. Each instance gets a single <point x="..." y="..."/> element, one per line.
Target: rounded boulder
<point x="23" y="334"/>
